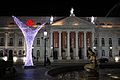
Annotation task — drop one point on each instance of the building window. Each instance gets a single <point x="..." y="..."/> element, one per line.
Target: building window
<point x="119" y="52"/>
<point x="103" y="52"/>
<point x="38" y="53"/>
<point x="10" y="42"/>
<point x="1" y="53"/>
<point x="2" y="42"/>
<point x="38" y="41"/>
<point x="110" y="53"/>
<point x="95" y="42"/>
<point x="103" y="42"/>
<point x="56" y="39"/>
<point x="110" y="41"/>
<point x="118" y="41"/>
<point x="20" y="43"/>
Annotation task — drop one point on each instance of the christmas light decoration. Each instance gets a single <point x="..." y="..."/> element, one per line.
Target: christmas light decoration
<point x="29" y="35"/>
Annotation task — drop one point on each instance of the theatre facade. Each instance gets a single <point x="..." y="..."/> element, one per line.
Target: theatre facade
<point x="68" y="37"/>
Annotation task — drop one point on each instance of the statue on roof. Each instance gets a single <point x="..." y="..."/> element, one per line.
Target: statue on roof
<point x="51" y="19"/>
<point x="92" y="20"/>
<point x="72" y="12"/>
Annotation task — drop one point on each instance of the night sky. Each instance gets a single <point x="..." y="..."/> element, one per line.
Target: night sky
<point x="82" y="8"/>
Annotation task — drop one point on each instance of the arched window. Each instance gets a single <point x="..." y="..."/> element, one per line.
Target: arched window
<point x="20" y="43"/>
<point x="1" y="53"/>
<point x="10" y="41"/>
<point x="103" y="52"/>
<point x="95" y="42"/>
<point x="38" y="53"/>
<point x="103" y="42"/>
<point x="110" y="41"/>
<point x="2" y="41"/>
<point x="38" y="41"/>
<point x="118" y="41"/>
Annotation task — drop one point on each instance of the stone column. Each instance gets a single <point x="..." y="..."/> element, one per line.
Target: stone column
<point x="15" y="43"/>
<point x="59" y="56"/>
<point x="68" y="45"/>
<point x="100" y="46"/>
<point x="76" y="55"/>
<point x="85" y="47"/>
<point x="93" y="41"/>
<point x="51" y="47"/>
<point x="24" y="46"/>
<point x="6" y="39"/>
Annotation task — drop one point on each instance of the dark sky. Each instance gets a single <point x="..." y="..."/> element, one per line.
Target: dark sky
<point x="83" y="8"/>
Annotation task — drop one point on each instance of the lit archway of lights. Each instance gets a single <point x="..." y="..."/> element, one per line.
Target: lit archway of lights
<point x="29" y="35"/>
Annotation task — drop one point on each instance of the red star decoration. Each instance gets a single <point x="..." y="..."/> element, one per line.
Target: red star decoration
<point x="30" y="23"/>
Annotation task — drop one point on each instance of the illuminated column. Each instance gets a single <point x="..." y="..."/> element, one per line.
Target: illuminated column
<point x="29" y="33"/>
<point x="51" y="43"/>
<point x="85" y="47"/>
<point x="76" y="56"/>
<point x="24" y="47"/>
<point x="93" y="41"/>
<point x="68" y="45"/>
<point x="59" y="56"/>
<point x="100" y="46"/>
<point x="6" y="39"/>
<point x="15" y="42"/>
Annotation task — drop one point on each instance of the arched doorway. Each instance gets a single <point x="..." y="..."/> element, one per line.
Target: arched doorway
<point x="1" y="53"/>
<point x="10" y="56"/>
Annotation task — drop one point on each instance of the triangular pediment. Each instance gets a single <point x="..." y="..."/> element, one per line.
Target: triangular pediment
<point x="72" y="21"/>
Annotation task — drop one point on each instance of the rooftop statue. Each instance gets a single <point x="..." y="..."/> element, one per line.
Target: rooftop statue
<point x="72" y="12"/>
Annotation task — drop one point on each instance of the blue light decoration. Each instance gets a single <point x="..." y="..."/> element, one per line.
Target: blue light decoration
<point x="29" y="35"/>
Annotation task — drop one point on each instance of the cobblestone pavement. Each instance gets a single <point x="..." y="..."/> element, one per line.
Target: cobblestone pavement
<point x="39" y="73"/>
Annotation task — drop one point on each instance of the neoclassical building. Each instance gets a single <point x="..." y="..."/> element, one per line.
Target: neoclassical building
<point x="68" y="37"/>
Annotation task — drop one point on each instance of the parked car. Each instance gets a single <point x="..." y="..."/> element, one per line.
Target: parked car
<point x="103" y="60"/>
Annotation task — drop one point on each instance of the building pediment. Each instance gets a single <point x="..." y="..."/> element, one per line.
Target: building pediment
<point x="72" y="21"/>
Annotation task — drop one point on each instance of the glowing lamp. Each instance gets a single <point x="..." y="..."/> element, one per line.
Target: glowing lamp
<point x="15" y="59"/>
<point x="5" y="58"/>
<point x="116" y="59"/>
<point x="94" y="47"/>
<point x="45" y="33"/>
<point x="110" y="47"/>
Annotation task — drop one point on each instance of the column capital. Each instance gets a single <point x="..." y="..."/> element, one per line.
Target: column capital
<point x="76" y="31"/>
<point x="68" y="31"/>
<point x="51" y="31"/>
<point x="6" y="33"/>
<point x="59" y="31"/>
<point x="85" y="31"/>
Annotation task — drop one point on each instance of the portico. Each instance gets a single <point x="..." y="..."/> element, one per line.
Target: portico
<point x="71" y="37"/>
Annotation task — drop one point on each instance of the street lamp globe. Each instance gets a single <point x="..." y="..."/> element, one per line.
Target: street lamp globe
<point x="110" y="47"/>
<point x="94" y="47"/>
<point x="45" y="33"/>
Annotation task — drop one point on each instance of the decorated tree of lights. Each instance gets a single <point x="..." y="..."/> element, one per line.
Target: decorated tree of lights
<point x="29" y="31"/>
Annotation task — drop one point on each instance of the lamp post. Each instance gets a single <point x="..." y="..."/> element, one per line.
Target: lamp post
<point x="45" y="38"/>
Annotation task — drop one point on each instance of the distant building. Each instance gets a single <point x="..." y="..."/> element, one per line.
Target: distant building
<point x="69" y="37"/>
